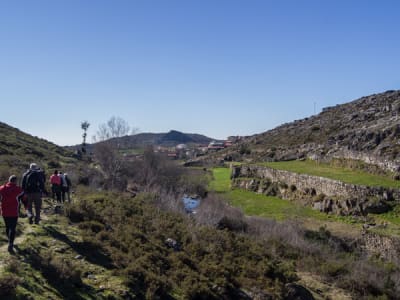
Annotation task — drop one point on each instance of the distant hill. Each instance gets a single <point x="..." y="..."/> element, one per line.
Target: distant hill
<point x="169" y="139"/>
<point x="18" y="149"/>
<point x="366" y="129"/>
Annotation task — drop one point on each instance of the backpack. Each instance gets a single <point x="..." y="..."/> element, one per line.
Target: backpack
<point x="34" y="181"/>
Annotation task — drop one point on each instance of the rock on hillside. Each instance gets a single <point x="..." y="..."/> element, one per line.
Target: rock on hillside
<point x="366" y="129"/>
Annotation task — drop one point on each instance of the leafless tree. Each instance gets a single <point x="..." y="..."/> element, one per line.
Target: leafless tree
<point x="114" y="128"/>
<point x="107" y="148"/>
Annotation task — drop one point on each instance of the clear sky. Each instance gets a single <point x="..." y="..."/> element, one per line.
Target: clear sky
<point x="212" y="67"/>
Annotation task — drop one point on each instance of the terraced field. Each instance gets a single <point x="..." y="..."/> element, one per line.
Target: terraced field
<point x="347" y="175"/>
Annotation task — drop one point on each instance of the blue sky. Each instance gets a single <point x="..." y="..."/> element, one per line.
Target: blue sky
<point x="214" y="67"/>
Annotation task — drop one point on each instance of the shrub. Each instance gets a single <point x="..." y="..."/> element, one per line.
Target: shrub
<point x="315" y="128"/>
<point x="321" y="235"/>
<point x="65" y="270"/>
<point x="320" y="197"/>
<point x="244" y="149"/>
<point x="232" y="224"/>
<point x="54" y="165"/>
<point x="8" y="284"/>
<point x="13" y="266"/>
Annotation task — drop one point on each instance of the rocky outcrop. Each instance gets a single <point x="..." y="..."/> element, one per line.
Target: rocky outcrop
<point x="323" y="194"/>
<point x="367" y="129"/>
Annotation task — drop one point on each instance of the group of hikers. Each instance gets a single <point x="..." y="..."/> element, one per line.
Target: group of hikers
<point x="60" y="186"/>
<point x="30" y="195"/>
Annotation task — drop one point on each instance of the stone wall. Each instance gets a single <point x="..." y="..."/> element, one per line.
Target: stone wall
<point x="323" y="194"/>
<point x="385" y="164"/>
<point x="381" y="246"/>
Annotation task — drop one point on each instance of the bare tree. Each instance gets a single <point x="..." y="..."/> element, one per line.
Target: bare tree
<point x="114" y="128"/>
<point x="107" y="148"/>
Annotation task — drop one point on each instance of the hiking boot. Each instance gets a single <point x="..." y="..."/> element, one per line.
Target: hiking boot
<point x="10" y="248"/>
<point x="30" y="220"/>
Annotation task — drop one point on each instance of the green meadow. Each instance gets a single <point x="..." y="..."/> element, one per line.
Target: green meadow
<point x="260" y="205"/>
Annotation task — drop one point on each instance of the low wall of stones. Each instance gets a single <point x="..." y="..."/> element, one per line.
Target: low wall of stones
<point x="324" y="194"/>
<point x="321" y="185"/>
<point x="382" y="246"/>
<point x="393" y="166"/>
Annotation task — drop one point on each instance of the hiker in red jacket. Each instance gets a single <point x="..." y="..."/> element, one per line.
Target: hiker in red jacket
<point x="9" y="195"/>
<point x="55" y="182"/>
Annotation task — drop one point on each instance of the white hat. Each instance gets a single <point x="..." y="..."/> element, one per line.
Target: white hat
<point x="33" y="166"/>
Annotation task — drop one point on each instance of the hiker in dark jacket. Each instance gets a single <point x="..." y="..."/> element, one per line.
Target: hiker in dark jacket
<point x="64" y="185"/>
<point x="10" y="194"/>
<point x="67" y="186"/>
<point x="33" y="186"/>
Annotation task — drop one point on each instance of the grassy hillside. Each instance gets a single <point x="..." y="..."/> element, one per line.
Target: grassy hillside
<point x="339" y="267"/>
<point x="114" y="247"/>
<point x="19" y="149"/>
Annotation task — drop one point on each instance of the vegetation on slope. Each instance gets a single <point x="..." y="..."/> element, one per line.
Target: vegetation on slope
<point x="207" y="264"/>
<point x="331" y="253"/>
<point x="18" y="150"/>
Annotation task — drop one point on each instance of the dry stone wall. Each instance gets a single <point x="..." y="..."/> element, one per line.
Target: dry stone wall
<point x="382" y="246"/>
<point x="323" y="194"/>
<point x="369" y="158"/>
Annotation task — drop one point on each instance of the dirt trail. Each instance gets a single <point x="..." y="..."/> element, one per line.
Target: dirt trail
<point x="26" y="230"/>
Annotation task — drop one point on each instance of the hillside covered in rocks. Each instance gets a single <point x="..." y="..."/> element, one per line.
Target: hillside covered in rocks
<point x="366" y="129"/>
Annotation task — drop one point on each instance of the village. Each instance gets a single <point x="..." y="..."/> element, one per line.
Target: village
<point x="190" y="151"/>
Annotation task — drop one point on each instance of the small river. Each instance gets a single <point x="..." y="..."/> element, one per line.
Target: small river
<point x="190" y="203"/>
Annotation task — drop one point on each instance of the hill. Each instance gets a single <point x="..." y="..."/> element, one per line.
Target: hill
<point x="171" y="138"/>
<point x="18" y="149"/>
<point x="168" y="139"/>
<point x="366" y="129"/>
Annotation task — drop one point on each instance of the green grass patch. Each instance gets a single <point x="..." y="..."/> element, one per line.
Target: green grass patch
<point x="221" y="182"/>
<point x="264" y="206"/>
<point x="347" y="175"/>
<point x="270" y="207"/>
<point x="275" y="208"/>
